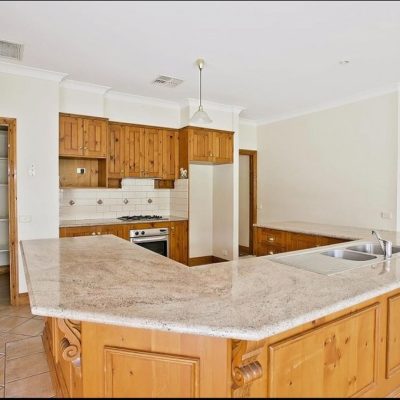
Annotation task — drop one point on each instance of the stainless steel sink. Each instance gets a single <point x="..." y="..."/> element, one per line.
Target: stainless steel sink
<point x="372" y="248"/>
<point x="348" y="255"/>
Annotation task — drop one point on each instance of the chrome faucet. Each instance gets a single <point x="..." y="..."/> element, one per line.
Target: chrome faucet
<point x="386" y="245"/>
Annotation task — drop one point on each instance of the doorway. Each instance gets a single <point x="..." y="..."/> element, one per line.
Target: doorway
<point x="8" y="213"/>
<point x="247" y="200"/>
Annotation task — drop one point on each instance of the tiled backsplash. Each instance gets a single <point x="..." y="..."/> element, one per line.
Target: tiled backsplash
<point x="136" y="197"/>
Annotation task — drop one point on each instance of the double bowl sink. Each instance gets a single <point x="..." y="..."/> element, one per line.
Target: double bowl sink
<point x="362" y="252"/>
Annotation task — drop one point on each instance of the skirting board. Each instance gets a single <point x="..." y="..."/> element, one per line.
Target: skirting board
<point x="204" y="260"/>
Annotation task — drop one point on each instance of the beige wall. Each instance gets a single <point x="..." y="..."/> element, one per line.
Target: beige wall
<point x="335" y="166"/>
<point x="244" y="200"/>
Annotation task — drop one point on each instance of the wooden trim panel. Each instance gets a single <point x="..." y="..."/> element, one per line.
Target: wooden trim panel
<point x="393" y="337"/>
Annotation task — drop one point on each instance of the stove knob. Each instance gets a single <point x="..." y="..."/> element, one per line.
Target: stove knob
<point x="142" y="232"/>
<point x="136" y="233"/>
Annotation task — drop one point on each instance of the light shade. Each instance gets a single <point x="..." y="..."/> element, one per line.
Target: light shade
<point x="200" y="116"/>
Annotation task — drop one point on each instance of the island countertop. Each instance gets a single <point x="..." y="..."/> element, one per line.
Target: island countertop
<point x="311" y="228"/>
<point x="105" y="279"/>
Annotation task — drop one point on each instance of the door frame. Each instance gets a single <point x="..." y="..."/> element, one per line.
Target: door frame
<point x="253" y="194"/>
<point x="11" y="124"/>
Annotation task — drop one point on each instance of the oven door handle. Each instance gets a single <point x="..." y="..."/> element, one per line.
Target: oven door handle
<point x="150" y="239"/>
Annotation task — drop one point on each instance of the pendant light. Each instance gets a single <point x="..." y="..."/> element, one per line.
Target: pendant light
<point x="200" y="116"/>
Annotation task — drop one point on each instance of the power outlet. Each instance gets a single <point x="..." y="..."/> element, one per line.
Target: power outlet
<point x="386" y="215"/>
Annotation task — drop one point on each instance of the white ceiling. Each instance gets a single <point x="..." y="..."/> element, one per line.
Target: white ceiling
<point x="272" y="58"/>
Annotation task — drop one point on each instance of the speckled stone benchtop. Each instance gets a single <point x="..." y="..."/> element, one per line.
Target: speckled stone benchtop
<point x="108" y="280"/>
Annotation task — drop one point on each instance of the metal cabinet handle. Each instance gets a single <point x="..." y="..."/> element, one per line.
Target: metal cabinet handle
<point x="271" y="252"/>
<point x="271" y="239"/>
<point x="99" y="233"/>
<point x="93" y="233"/>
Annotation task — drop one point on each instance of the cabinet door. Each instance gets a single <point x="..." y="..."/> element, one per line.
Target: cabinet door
<point x="71" y="136"/>
<point x="300" y="241"/>
<point x="200" y="145"/>
<point x="338" y="359"/>
<point x="134" y="151"/>
<point x="117" y="230"/>
<point x="152" y="153"/>
<point x="95" y="138"/>
<point x="170" y="155"/>
<point x="393" y="337"/>
<point x="179" y="242"/>
<point x="222" y="148"/>
<point x="116" y="151"/>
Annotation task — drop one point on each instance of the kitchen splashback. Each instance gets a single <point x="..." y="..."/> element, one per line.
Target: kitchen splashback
<point x="136" y="197"/>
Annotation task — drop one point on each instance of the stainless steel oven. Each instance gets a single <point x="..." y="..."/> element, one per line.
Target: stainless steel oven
<point x="155" y="239"/>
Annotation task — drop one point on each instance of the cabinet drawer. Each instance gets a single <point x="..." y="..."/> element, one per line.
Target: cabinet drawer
<point x="265" y="249"/>
<point x="272" y="236"/>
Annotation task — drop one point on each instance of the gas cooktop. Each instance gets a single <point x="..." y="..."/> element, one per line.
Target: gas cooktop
<point x="141" y="217"/>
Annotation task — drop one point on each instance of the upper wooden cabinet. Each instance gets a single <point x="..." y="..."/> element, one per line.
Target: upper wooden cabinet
<point x="170" y="155"/>
<point x="205" y="146"/>
<point x="83" y="136"/>
<point x="142" y="152"/>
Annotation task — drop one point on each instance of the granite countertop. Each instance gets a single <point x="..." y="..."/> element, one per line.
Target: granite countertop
<point x="113" y="221"/>
<point x="336" y="231"/>
<point x="108" y="280"/>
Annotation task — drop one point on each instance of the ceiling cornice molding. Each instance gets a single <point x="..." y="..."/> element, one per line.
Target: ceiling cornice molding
<point x="214" y="106"/>
<point x="38" y="73"/>
<point x="152" y="101"/>
<point x="334" y="104"/>
<point x="84" y="86"/>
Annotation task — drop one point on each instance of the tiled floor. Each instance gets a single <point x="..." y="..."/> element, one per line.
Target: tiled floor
<point x="24" y="371"/>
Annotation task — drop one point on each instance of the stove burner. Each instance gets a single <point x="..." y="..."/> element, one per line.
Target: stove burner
<point x="140" y="217"/>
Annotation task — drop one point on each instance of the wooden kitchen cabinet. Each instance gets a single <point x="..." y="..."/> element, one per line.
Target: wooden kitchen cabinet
<point x="205" y="146"/>
<point x="117" y="230"/>
<point x="178" y="241"/>
<point x="274" y="241"/>
<point x="393" y="338"/>
<point x="152" y="152"/>
<point x="82" y="136"/>
<point x="116" y="151"/>
<point x="170" y="154"/>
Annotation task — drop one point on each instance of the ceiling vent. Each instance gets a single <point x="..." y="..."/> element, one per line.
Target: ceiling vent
<point x="167" y="81"/>
<point x="11" y="50"/>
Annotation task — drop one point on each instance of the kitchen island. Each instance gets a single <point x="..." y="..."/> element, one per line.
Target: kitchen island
<point x="123" y="321"/>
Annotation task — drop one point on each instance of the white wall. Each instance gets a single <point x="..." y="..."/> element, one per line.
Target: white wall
<point x="248" y="135"/>
<point x="201" y="208"/>
<point x="244" y="200"/>
<point x="334" y="166"/>
<point x="84" y="102"/>
<point x="35" y="104"/>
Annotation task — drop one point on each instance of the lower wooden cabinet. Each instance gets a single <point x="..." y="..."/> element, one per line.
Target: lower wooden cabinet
<point x="178" y="243"/>
<point x="178" y="238"/>
<point x="273" y="241"/>
<point x="393" y="338"/>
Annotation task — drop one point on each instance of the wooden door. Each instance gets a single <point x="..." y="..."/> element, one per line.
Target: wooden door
<point x="178" y="247"/>
<point x="300" y="241"/>
<point x="222" y="148"/>
<point x="152" y="153"/>
<point x="170" y="155"/>
<point x="70" y="136"/>
<point x="200" y="145"/>
<point x="95" y="137"/>
<point x="116" y="151"/>
<point x="134" y="151"/>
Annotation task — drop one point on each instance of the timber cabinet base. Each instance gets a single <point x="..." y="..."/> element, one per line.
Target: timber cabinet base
<point x="352" y="353"/>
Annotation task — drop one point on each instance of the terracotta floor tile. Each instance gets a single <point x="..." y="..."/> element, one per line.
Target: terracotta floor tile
<point x="21" y="311"/>
<point x="6" y="338"/>
<point x="32" y="327"/>
<point x="24" y="347"/>
<point x="34" y="386"/>
<point x="2" y="367"/>
<point x="8" y="323"/>
<point x="23" y="367"/>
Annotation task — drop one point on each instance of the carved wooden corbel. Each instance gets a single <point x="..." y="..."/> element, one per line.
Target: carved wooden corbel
<point x="71" y="342"/>
<point x="245" y="366"/>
